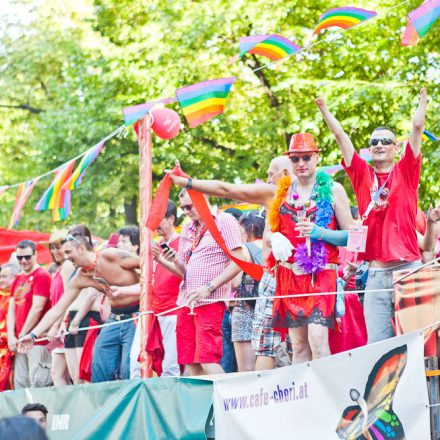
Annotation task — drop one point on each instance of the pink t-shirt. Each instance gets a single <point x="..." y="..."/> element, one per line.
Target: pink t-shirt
<point x="56" y="288"/>
<point x="207" y="260"/>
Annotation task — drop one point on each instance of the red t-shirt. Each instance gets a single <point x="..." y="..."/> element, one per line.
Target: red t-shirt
<point x="165" y="286"/>
<point x="392" y="223"/>
<point x="23" y="288"/>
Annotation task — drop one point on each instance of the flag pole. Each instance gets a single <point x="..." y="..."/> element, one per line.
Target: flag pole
<point x="145" y="197"/>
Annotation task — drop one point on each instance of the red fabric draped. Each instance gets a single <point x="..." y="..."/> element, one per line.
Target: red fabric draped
<point x="159" y="206"/>
<point x="85" y="364"/>
<point x="154" y="345"/>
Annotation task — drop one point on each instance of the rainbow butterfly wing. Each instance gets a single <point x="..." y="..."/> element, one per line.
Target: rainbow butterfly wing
<point x="382" y="422"/>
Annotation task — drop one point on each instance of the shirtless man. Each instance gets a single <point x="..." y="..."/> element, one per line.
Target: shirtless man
<point x="110" y="267"/>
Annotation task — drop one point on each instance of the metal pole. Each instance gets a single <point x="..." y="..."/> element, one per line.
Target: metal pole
<point x="145" y="197"/>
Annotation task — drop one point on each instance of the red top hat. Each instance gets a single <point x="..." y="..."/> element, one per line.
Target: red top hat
<point x="302" y="143"/>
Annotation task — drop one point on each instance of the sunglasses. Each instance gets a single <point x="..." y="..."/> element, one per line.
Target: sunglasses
<point x="24" y="257"/>
<point x="187" y="207"/>
<point x="383" y="141"/>
<point x="304" y="157"/>
<point x="70" y="237"/>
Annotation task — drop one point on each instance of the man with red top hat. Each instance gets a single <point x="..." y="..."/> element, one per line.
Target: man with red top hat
<point x="304" y="218"/>
<point x="387" y="194"/>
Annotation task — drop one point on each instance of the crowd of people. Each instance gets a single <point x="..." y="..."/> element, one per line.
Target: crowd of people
<point x="212" y="315"/>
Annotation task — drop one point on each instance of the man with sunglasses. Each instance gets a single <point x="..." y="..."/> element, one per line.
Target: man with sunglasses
<point x="30" y="293"/>
<point x="387" y="194"/>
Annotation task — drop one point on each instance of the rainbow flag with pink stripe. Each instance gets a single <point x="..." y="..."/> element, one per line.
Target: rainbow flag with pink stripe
<point x="23" y="192"/>
<point x="271" y="46"/>
<point x="420" y="21"/>
<point x="344" y="18"/>
<point x="76" y="178"/>
<point x="56" y="197"/>
<point x="204" y="100"/>
<point x="136" y="112"/>
<point x="3" y="188"/>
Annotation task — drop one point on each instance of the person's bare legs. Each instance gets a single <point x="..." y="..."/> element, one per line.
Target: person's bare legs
<point x="318" y="340"/>
<point x="59" y="371"/>
<point x="301" y="351"/>
<point x="212" y="368"/>
<point x="245" y="355"/>
<point x="73" y="356"/>
<point x="194" y="370"/>
<point x="264" y="363"/>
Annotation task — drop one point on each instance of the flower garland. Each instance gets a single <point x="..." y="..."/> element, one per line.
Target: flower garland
<point x="318" y="259"/>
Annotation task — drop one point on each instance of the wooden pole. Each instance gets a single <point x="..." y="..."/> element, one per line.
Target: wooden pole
<point x="145" y="197"/>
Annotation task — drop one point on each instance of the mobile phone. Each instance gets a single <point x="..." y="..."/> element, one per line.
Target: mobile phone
<point x="164" y="247"/>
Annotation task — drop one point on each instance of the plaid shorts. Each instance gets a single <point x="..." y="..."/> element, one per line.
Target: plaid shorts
<point x="265" y="341"/>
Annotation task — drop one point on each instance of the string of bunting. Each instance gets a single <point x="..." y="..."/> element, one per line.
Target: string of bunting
<point x="205" y="100"/>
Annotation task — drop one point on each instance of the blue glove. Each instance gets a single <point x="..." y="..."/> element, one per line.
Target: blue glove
<point x="336" y="238"/>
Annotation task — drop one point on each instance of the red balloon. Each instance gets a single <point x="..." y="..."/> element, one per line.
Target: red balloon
<point x="166" y="123"/>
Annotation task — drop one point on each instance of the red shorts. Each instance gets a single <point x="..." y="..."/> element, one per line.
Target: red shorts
<point x="199" y="336"/>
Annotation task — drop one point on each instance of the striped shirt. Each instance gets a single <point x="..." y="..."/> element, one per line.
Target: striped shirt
<point x="207" y="260"/>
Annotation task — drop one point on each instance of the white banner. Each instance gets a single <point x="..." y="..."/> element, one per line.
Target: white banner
<point x="375" y="392"/>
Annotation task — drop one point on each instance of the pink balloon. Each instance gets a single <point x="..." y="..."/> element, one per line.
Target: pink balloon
<point x="166" y="123"/>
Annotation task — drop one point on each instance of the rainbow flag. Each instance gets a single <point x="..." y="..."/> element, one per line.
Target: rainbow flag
<point x="344" y="18"/>
<point x="429" y="136"/>
<point x="136" y="112"/>
<point x="204" y="100"/>
<point x="56" y="197"/>
<point x="23" y="192"/>
<point x="420" y="21"/>
<point x="76" y="178"/>
<point x="272" y="46"/>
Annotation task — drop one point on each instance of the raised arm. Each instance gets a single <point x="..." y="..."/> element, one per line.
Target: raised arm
<point x="415" y="138"/>
<point x="260" y="193"/>
<point x="427" y="241"/>
<point x="342" y="139"/>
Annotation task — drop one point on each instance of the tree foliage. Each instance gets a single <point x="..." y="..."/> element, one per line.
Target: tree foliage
<point x="67" y="72"/>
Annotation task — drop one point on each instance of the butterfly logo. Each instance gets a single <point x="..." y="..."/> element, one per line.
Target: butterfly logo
<point x="373" y="417"/>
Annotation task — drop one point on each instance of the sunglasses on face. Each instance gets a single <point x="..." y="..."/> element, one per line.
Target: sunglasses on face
<point x="24" y="257"/>
<point x="383" y="141"/>
<point x="187" y="207"/>
<point x="304" y="157"/>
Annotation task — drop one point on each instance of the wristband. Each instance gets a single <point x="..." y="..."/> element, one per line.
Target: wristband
<point x="210" y="287"/>
<point x="33" y="336"/>
<point x="189" y="184"/>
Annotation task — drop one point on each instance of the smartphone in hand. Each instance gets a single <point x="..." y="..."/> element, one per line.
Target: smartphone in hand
<point x="164" y="247"/>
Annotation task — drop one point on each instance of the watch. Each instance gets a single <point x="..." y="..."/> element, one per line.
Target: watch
<point x="210" y="287"/>
<point x="189" y="184"/>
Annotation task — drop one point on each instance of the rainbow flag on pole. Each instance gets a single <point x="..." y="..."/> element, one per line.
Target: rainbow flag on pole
<point x="344" y="18"/>
<point x="56" y="197"/>
<point x="23" y="192"/>
<point x="204" y="100"/>
<point x="136" y="112"/>
<point x="429" y="136"/>
<point x="76" y="178"/>
<point x="271" y="46"/>
<point x="420" y="21"/>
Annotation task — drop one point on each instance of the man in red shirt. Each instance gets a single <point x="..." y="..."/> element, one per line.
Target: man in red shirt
<point x="387" y="194"/>
<point x="166" y="289"/>
<point x="29" y="302"/>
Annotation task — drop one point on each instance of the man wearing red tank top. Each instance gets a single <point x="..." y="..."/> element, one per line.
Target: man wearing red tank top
<point x="387" y="194"/>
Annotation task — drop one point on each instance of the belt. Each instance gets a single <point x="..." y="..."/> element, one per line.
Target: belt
<point x="296" y="269"/>
<point x="123" y="316"/>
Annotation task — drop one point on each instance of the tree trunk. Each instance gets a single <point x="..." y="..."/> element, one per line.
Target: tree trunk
<point x="131" y="211"/>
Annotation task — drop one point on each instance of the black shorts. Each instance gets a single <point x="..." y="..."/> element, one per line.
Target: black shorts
<point x="76" y="341"/>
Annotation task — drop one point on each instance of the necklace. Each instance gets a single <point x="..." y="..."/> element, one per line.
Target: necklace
<point x="293" y="196"/>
